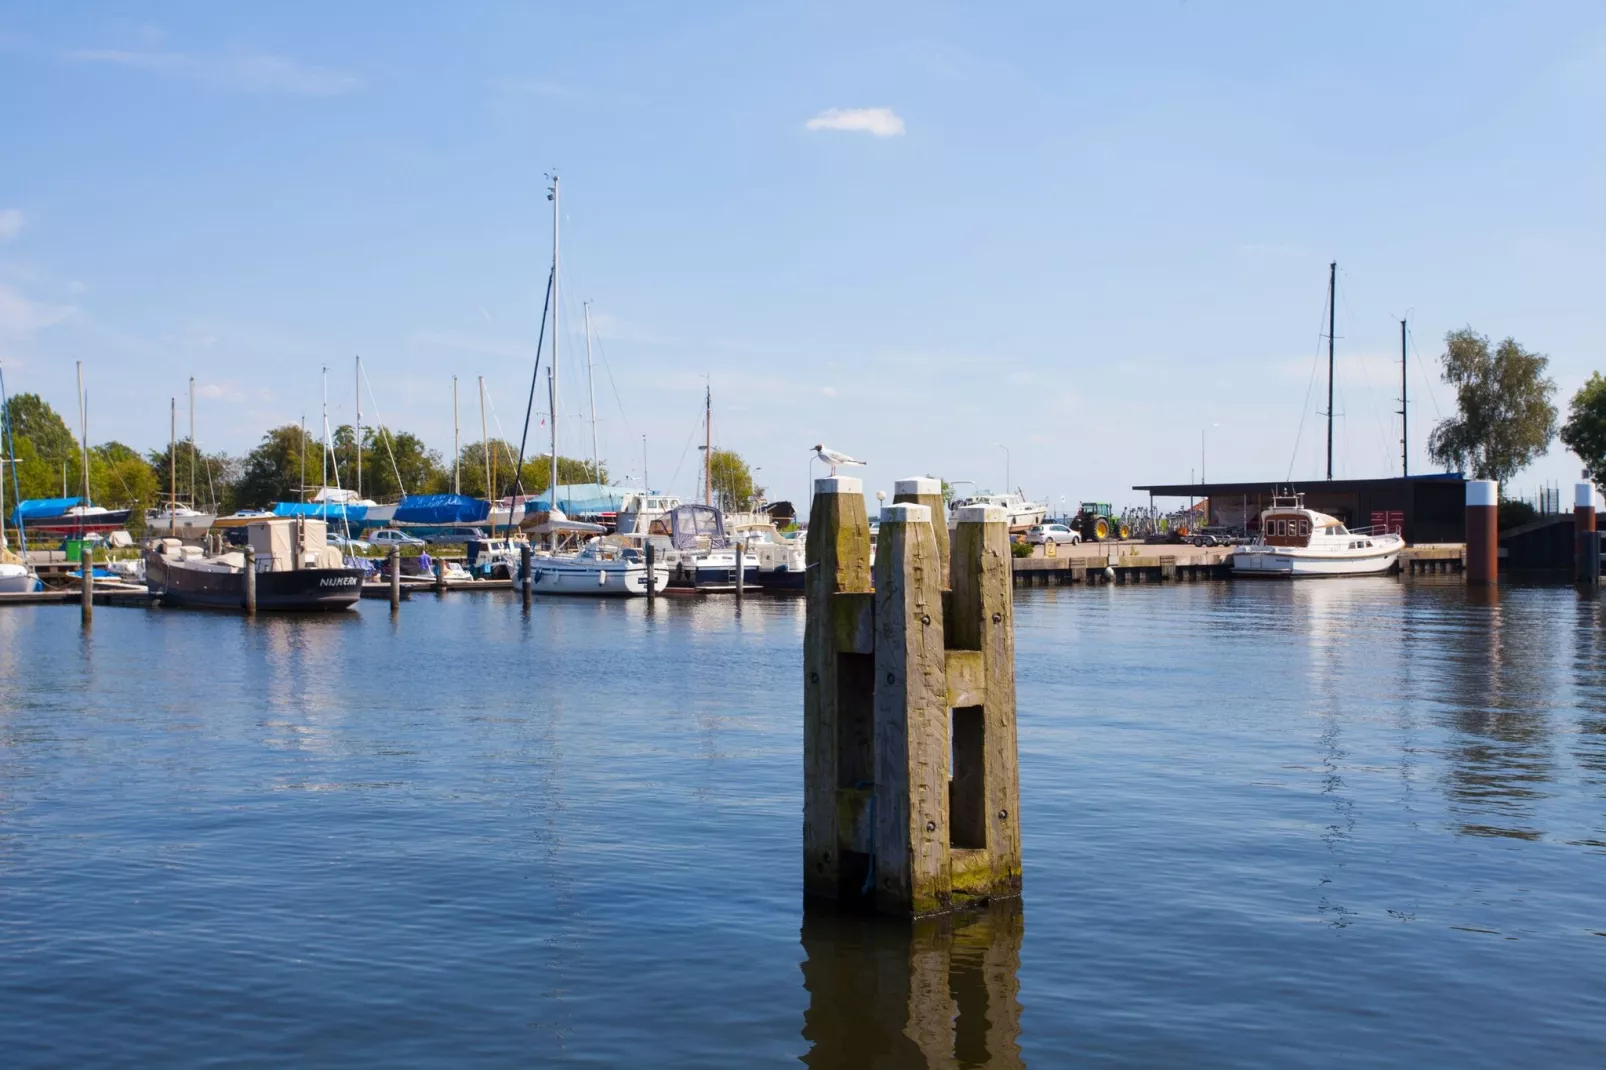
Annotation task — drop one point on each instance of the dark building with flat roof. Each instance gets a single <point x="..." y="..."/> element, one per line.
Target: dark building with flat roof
<point x="1429" y="508"/>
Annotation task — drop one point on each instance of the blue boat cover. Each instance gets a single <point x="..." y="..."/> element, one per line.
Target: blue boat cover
<point x="352" y="514"/>
<point x="442" y="509"/>
<point x="583" y="499"/>
<point x="37" y="507"/>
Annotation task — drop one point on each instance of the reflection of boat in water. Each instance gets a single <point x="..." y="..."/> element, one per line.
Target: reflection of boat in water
<point x="601" y="570"/>
<point x="296" y="569"/>
<point x="1296" y="541"/>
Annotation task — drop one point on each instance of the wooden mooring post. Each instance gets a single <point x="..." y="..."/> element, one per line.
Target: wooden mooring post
<point x="250" y="580"/>
<point x="526" y="575"/>
<point x="440" y="575"/>
<point x="86" y="586"/>
<point x="911" y="786"/>
<point x="652" y="573"/>
<point x="395" y="579"/>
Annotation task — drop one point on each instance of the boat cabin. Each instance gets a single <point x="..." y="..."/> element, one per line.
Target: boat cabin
<point x="1289" y="523"/>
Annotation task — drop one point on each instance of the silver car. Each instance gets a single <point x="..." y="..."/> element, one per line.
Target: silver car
<point x="1058" y="534"/>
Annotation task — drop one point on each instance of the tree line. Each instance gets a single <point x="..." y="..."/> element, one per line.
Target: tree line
<point x="288" y="463"/>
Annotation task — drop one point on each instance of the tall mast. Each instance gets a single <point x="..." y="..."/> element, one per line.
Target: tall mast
<point x="357" y="431"/>
<point x="456" y="448"/>
<point x="646" y="484"/>
<point x="708" y="445"/>
<point x="485" y="441"/>
<point x="1405" y="426"/>
<point x="324" y="469"/>
<point x="1332" y="320"/>
<point x="172" y="465"/>
<point x="552" y="403"/>
<point x="192" y="445"/>
<point x="552" y="368"/>
<point x="303" y="457"/>
<point x="591" y="385"/>
<point x="83" y="430"/>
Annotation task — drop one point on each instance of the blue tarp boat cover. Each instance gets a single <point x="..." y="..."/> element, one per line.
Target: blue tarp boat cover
<point x="332" y="511"/>
<point x="37" y="507"/>
<point x="583" y="499"/>
<point x="441" y="509"/>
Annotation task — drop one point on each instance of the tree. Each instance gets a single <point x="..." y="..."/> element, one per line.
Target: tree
<point x="398" y="463"/>
<point x="202" y="477"/>
<point x="119" y="476"/>
<point x="33" y="419"/>
<point x="1585" y="430"/>
<point x="732" y="480"/>
<point x="1505" y="419"/>
<point x="272" y="472"/>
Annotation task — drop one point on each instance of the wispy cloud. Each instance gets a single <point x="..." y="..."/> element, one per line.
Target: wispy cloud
<point x="882" y="122"/>
<point x="21" y="318"/>
<point x="240" y="72"/>
<point x="11" y="221"/>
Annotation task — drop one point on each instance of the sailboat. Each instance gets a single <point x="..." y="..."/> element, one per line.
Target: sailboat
<point x="183" y="522"/>
<point x="16" y="575"/>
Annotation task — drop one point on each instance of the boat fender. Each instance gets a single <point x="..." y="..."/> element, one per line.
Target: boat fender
<point x="1109" y="573"/>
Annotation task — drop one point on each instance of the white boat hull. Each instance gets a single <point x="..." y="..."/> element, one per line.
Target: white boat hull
<point x="594" y="579"/>
<point x="16" y="579"/>
<point x="1293" y="562"/>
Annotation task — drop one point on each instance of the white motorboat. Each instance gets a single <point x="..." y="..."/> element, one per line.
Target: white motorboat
<point x="781" y="560"/>
<point x="1022" y="515"/>
<point x="1295" y="541"/>
<point x="638" y="513"/>
<point x="601" y="570"/>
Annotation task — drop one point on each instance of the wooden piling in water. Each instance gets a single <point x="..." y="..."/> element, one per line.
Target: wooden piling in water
<point x="86" y="586"/>
<point x="1483" y="531"/>
<point x="1586" y="547"/>
<point x="526" y="574"/>
<point x="741" y="570"/>
<point x="440" y="575"/>
<point x="395" y="579"/>
<point x="250" y="580"/>
<point x="923" y="490"/>
<point x="910" y="784"/>
<point x="652" y="572"/>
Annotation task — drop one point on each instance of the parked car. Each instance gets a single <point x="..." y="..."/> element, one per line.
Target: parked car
<point x="391" y="537"/>
<point x="454" y="535"/>
<point x="1058" y="534"/>
<point x="337" y="539"/>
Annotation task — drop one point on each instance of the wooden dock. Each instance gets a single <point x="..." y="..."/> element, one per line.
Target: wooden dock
<point x="1129" y="562"/>
<point x="106" y="594"/>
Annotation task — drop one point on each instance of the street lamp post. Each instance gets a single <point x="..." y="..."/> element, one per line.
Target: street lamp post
<point x="1005" y="448"/>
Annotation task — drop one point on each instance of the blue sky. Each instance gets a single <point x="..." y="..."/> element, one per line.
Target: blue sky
<point x="1088" y="232"/>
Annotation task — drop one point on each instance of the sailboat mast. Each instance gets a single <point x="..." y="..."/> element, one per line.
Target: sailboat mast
<point x="193" y="499"/>
<point x="456" y="447"/>
<point x="303" y="457"/>
<point x="1405" y="426"/>
<point x="1332" y="322"/>
<point x="83" y="431"/>
<point x="485" y="442"/>
<point x="172" y="466"/>
<point x="708" y="445"/>
<point x="357" y="432"/>
<point x="552" y="369"/>
<point x="552" y="403"/>
<point x="323" y="472"/>
<point x="646" y="484"/>
<point x="591" y="386"/>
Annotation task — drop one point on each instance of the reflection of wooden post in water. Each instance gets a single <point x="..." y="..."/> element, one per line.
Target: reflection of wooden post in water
<point x="910" y="785"/>
<point x="940" y="992"/>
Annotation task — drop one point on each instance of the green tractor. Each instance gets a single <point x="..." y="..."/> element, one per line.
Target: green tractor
<point x="1096" y="521"/>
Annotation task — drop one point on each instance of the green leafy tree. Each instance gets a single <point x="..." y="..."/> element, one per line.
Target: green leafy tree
<point x="1505" y="416"/>
<point x="202" y="477"/>
<point x="272" y="472"/>
<point x="397" y="463"/>
<point x="731" y="480"/>
<point x="1585" y="430"/>
<point x="33" y="419"/>
<point x="37" y="477"/>
<point x="120" y="477"/>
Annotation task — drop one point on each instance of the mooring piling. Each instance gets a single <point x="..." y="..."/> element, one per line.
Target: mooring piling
<point x="1586" y="540"/>
<point x="250" y="580"/>
<point x="394" y="563"/>
<point x="652" y="573"/>
<point x="924" y="490"/>
<point x="86" y="586"/>
<point x="741" y="570"/>
<point x="526" y="574"/>
<point x="1483" y="531"/>
<point x="440" y="575"/>
<point x="910" y="783"/>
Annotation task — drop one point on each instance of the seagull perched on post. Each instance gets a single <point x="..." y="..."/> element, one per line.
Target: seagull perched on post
<point x="833" y="458"/>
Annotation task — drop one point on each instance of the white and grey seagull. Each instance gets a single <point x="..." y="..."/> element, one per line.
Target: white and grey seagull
<point x="833" y="458"/>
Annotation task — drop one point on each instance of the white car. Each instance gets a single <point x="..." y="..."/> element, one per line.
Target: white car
<point x="1058" y="534"/>
<point x="392" y="537"/>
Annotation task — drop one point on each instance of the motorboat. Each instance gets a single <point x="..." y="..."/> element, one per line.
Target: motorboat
<point x="1022" y="515"/>
<point x="781" y="559"/>
<point x="640" y="511"/>
<point x="1295" y="541"/>
<point x="603" y="569"/>
<point x="179" y="521"/>
<point x="16" y="575"/>
<point x="495" y="558"/>
<point x="296" y="569"/>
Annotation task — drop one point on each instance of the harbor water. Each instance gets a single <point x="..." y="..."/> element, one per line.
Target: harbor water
<point x="1330" y="824"/>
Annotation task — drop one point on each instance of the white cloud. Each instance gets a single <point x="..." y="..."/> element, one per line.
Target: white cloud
<point x="249" y="73"/>
<point x="219" y="391"/>
<point x="10" y="223"/>
<point x="882" y="122"/>
<point x="20" y="318"/>
<point x="828" y="391"/>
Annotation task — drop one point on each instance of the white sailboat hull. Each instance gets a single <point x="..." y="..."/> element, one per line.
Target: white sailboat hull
<point x="16" y="579"/>
<point x="594" y="579"/>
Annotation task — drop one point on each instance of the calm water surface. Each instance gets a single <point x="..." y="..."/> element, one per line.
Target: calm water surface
<point x="1344" y="823"/>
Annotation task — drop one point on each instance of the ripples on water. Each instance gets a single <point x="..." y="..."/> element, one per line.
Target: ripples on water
<point x="1322" y="824"/>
